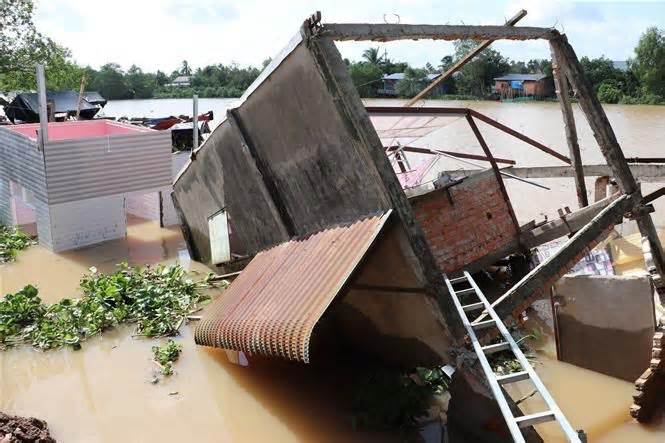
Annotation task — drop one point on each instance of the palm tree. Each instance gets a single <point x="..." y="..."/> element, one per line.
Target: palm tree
<point x="185" y="69"/>
<point x="372" y="56"/>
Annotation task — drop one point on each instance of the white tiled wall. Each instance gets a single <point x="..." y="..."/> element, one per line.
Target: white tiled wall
<point x="85" y="222"/>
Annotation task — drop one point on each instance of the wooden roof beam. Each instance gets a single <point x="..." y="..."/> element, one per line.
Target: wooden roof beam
<point x="385" y="32"/>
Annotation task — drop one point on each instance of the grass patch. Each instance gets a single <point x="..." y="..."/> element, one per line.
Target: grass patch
<point x="155" y="299"/>
<point x="12" y="241"/>
<point x="166" y="355"/>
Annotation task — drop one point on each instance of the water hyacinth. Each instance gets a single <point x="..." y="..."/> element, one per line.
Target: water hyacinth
<point x="12" y="241"/>
<point x="156" y="299"/>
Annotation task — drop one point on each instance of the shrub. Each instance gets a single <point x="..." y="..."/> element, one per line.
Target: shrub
<point x="609" y="93"/>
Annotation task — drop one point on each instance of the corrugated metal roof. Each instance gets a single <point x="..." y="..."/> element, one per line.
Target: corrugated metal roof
<point x="400" y="76"/>
<point x="521" y="77"/>
<point x="271" y="309"/>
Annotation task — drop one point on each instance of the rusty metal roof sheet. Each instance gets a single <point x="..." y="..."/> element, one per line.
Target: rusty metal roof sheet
<point x="273" y="306"/>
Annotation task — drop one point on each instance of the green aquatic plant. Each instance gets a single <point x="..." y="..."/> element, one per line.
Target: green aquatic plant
<point x="155" y="299"/>
<point x="12" y="241"/>
<point x="393" y="399"/>
<point x="166" y="355"/>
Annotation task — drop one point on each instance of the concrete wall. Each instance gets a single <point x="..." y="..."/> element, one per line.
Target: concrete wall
<point x="387" y="312"/>
<point x="300" y="170"/>
<point x="143" y="205"/>
<point x="465" y="222"/>
<point x="85" y="222"/>
<point x="606" y="323"/>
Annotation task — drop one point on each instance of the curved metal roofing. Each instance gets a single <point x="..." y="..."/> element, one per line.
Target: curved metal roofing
<point x="271" y="309"/>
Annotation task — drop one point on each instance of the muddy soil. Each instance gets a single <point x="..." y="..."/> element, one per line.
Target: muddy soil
<point x="23" y="429"/>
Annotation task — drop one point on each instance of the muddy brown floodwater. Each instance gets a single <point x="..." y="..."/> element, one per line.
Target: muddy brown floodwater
<point x="102" y="392"/>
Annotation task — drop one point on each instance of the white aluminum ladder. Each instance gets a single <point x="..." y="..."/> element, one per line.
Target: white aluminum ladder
<point x="508" y="343"/>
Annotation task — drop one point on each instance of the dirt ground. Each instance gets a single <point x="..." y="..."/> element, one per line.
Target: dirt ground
<point x="23" y="429"/>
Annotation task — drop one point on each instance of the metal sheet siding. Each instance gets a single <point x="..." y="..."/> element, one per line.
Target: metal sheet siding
<point x="22" y="163"/>
<point x="103" y="166"/>
<point x="272" y="308"/>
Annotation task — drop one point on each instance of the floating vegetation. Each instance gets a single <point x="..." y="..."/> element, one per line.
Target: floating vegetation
<point x="505" y="362"/>
<point x="156" y="299"/>
<point x="166" y="355"/>
<point x="12" y="241"/>
<point x="391" y="399"/>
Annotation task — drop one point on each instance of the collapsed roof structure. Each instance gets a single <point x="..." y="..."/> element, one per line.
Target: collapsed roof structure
<point x="298" y="181"/>
<point x="25" y="106"/>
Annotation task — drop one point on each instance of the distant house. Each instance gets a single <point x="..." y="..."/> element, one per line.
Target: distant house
<point x="389" y="84"/>
<point x="523" y="85"/>
<point x="182" y="81"/>
<point x="621" y="65"/>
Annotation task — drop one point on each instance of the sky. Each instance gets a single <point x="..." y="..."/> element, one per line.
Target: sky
<point x="159" y="34"/>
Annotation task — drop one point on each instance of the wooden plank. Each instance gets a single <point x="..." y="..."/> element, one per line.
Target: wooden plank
<point x="452" y="153"/>
<point x="518" y="135"/>
<point x="647" y="173"/>
<point x="549" y="270"/>
<point x="653" y="196"/>
<point x="386" y="32"/>
<point x="561" y="87"/>
<point x="607" y="141"/>
<point x="568" y="224"/>
<point x="369" y="145"/>
<point x="463" y="61"/>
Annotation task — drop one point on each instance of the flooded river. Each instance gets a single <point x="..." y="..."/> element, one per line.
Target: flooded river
<point x="103" y="394"/>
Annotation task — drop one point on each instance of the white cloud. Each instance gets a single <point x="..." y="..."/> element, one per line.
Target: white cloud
<point x="160" y="34"/>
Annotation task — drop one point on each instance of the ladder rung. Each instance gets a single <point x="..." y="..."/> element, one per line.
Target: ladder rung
<point x="473" y="306"/>
<point x="491" y="349"/>
<point x="483" y="325"/>
<point x="457" y="280"/>
<point x="512" y="378"/>
<point x="534" y="419"/>
<point x="465" y="291"/>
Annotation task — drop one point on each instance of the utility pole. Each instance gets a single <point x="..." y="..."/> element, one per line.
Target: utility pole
<point x="43" y="116"/>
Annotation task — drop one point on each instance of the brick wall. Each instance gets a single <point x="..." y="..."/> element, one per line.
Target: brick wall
<point x="476" y="223"/>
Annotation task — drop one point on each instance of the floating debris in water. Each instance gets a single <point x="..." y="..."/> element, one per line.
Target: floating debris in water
<point x="12" y="241"/>
<point x="165" y="356"/>
<point x="156" y="299"/>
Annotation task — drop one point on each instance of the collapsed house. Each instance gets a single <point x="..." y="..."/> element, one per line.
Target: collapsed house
<point x="297" y="188"/>
<point x="79" y="184"/>
<point x="24" y="107"/>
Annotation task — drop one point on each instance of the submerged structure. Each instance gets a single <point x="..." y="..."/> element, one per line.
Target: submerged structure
<point x="24" y="108"/>
<point x="312" y="194"/>
<point x="78" y="185"/>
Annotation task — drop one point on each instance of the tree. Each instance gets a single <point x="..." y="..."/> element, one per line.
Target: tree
<point x="518" y="68"/>
<point x="22" y="46"/>
<point x="601" y="70"/>
<point x="446" y="63"/>
<point x="649" y="62"/>
<point x="366" y="78"/>
<point x="608" y="92"/>
<point x="371" y="55"/>
<point x="139" y="84"/>
<point x="110" y="82"/>
<point x="161" y="78"/>
<point x="477" y="75"/>
<point x="185" y="69"/>
<point x="413" y="82"/>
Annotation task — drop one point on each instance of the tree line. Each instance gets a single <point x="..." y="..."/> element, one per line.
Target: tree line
<point x="642" y="80"/>
<point x="22" y="45"/>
